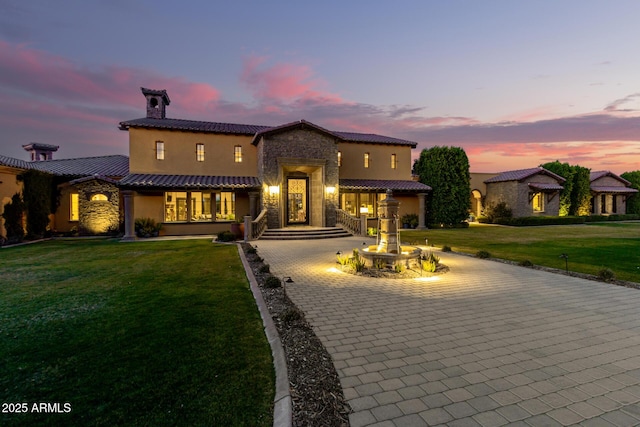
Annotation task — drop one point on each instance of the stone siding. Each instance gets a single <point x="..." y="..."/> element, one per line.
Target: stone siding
<point x="98" y="216"/>
<point x="296" y="151"/>
<point x="516" y="195"/>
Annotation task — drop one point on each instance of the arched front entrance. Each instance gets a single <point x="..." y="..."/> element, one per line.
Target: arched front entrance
<point x="476" y="203"/>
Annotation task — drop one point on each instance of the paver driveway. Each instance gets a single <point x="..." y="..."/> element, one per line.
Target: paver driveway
<point x="486" y="344"/>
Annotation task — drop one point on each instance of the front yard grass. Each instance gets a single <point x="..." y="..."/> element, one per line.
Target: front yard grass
<point x="145" y="333"/>
<point x="590" y="247"/>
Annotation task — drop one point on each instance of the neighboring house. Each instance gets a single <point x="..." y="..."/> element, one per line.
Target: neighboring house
<point x="528" y="192"/>
<point x="89" y="198"/>
<point x="478" y="192"/>
<point x="196" y="177"/>
<point x="609" y="193"/>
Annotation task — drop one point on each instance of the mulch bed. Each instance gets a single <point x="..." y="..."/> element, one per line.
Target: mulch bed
<point x="316" y="393"/>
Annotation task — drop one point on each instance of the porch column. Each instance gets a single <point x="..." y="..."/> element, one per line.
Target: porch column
<point x="422" y="198"/>
<point x="129" y="223"/>
<point x="253" y="204"/>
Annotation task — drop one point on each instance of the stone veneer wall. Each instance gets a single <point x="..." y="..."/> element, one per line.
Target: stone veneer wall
<point x="97" y="217"/>
<point x="516" y="195"/>
<point x="307" y="150"/>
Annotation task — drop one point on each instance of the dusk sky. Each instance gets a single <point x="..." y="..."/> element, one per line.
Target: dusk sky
<point x="514" y="83"/>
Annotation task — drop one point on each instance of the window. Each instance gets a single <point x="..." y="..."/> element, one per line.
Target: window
<point x="200" y="152"/>
<point x="74" y="214"/>
<point x="394" y="162"/>
<point x="225" y="205"/>
<point x="538" y="202"/>
<point x="237" y="154"/>
<point x="366" y="160"/>
<point x="354" y="203"/>
<point x="188" y="206"/>
<point x="339" y="158"/>
<point x="159" y="150"/>
<point x="99" y="197"/>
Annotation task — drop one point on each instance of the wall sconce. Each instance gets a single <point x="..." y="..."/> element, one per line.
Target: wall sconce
<point x="364" y="210"/>
<point x="331" y="190"/>
<point x="274" y="189"/>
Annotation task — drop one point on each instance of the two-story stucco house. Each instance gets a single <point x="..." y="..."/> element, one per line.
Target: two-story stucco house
<point x="195" y="177"/>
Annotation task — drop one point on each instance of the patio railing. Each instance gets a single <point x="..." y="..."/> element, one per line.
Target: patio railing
<point x="352" y="224"/>
<point x="256" y="226"/>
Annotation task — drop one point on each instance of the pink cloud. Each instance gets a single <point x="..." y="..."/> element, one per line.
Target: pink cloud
<point x="283" y="82"/>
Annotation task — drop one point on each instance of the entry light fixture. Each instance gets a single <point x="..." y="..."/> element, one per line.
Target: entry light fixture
<point x="274" y="189"/>
<point x="331" y="190"/>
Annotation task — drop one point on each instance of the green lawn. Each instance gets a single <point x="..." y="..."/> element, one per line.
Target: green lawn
<point x="590" y="247"/>
<point x="135" y="334"/>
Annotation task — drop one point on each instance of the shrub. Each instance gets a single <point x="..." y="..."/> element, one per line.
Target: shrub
<point x="606" y="274"/>
<point x="226" y="236"/>
<point x="399" y="267"/>
<point x="272" y="282"/>
<point x="372" y="231"/>
<point x="379" y="263"/>
<point x="147" y="227"/>
<point x="446" y="248"/>
<point x="13" y="213"/>
<point x="357" y="262"/>
<point x="343" y="260"/>
<point x="252" y="250"/>
<point x="264" y="268"/>
<point x="483" y="254"/>
<point x="410" y="219"/>
<point x="525" y="263"/>
<point x="429" y="266"/>
<point x="499" y="210"/>
<point x="291" y="314"/>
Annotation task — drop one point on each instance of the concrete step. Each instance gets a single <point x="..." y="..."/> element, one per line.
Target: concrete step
<point x="304" y="233"/>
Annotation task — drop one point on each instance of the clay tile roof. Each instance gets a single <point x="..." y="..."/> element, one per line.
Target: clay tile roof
<point x="14" y="163"/>
<point x="521" y="174"/>
<point x="612" y="189"/>
<point x="253" y="130"/>
<point x="111" y="166"/>
<point x="599" y="174"/>
<point x="543" y="186"/>
<point x="382" y="185"/>
<point x="97" y="177"/>
<point x="188" y="181"/>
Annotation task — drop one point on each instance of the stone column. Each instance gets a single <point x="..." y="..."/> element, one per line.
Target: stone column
<point x="363" y="224"/>
<point x="422" y="213"/>
<point x="129" y="222"/>
<point x="253" y="204"/>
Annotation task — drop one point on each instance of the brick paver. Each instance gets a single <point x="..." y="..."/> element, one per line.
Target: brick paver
<point x="485" y="344"/>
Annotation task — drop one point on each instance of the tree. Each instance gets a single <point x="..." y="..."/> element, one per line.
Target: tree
<point x="13" y="214"/>
<point x="37" y="193"/>
<point x="633" y="202"/>
<point x="575" y="198"/>
<point x="446" y="171"/>
<point x="565" y="171"/>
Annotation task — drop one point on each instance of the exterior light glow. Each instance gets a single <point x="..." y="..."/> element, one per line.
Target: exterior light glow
<point x="274" y="189"/>
<point x="364" y="210"/>
<point x="331" y="190"/>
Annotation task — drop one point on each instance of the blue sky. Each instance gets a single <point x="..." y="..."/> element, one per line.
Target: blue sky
<point x="514" y="83"/>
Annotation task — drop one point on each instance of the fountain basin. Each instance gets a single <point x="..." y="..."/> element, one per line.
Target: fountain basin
<point x="409" y="256"/>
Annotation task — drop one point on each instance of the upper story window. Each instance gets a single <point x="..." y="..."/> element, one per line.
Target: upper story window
<point x="200" y="152"/>
<point x="339" y="158"/>
<point x="237" y="154"/>
<point x="394" y="161"/>
<point x="366" y="160"/>
<point x="159" y="150"/>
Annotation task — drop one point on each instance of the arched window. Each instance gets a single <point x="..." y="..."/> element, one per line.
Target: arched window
<point x="99" y="197"/>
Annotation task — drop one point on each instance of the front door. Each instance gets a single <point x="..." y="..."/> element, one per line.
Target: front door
<point x="297" y="201"/>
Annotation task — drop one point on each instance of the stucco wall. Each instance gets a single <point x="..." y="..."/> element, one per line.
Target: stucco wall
<point x="180" y="153"/>
<point x="379" y="160"/>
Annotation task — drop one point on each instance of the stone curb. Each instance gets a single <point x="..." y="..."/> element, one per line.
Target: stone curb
<point x="283" y="407"/>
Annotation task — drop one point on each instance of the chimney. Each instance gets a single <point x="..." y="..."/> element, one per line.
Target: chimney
<point x="40" y="152"/>
<point x="157" y="100"/>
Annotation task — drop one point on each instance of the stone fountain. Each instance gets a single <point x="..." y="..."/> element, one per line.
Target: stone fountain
<point x="388" y="249"/>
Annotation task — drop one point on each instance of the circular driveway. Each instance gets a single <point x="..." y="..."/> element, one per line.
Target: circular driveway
<point x="486" y="344"/>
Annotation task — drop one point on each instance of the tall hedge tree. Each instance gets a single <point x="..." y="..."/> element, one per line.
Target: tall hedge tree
<point x="575" y="198"/>
<point x="13" y="214"/>
<point x="566" y="171"/>
<point x="38" y="196"/>
<point x="633" y="202"/>
<point x="446" y="171"/>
